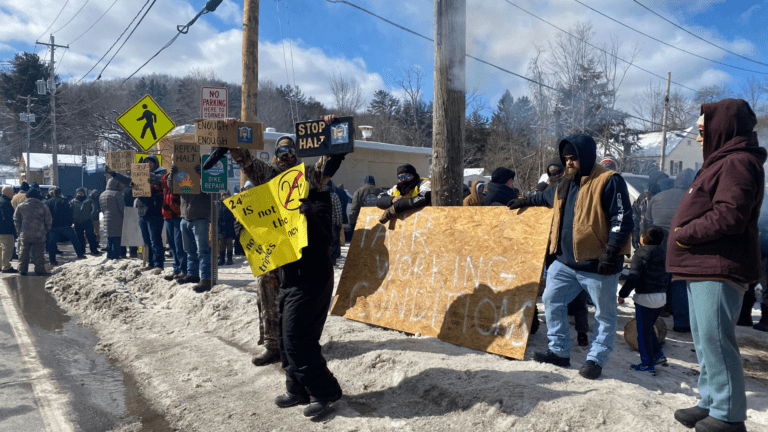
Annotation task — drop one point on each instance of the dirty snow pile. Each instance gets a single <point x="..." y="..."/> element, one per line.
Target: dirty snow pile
<point x="190" y="354"/>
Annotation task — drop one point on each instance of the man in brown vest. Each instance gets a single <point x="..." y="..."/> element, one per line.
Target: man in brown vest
<point x="589" y="237"/>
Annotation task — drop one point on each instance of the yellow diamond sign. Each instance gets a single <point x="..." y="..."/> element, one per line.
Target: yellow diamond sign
<point x="146" y="122"/>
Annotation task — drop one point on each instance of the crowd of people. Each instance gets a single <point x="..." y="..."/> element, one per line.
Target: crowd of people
<point x="698" y="254"/>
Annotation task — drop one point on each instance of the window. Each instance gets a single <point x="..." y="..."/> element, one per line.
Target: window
<point x="689" y="142"/>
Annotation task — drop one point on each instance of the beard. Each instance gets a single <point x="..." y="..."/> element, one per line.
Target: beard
<point x="570" y="172"/>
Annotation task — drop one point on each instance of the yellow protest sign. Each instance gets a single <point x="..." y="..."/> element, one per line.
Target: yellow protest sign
<point x="275" y="231"/>
<point x="146" y="122"/>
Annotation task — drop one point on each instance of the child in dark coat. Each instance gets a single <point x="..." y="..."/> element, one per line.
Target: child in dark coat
<point x="649" y="280"/>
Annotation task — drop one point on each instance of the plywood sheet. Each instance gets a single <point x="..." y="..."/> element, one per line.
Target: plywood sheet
<point x="185" y="157"/>
<point x="467" y="275"/>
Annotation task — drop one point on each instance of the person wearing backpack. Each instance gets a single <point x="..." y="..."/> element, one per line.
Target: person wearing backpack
<point x="366" y="196"/>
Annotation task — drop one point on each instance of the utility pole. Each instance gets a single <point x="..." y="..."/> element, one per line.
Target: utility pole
<point x="52" y="89"/>
<point x="664" y="126"/>
<point x="29" y="123"/>
<point x="250" y="89"/>
<point x="449" y="102"/>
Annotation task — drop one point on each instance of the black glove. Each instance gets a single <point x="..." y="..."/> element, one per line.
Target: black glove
<point x="636" y="239"/>
<point x="112" y="173"/>
<point x="217" y="154"/>
<point x="154" y="180"/>
<point x="197" y="169"/>
<point x="607" y="265"/>
<point x="519" y="203"/>
<point x="174" y="169"/>
<point x="333" y="164"/>
<point x="308" y="208"/>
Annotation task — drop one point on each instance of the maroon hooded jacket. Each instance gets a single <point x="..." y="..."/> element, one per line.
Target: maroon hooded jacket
<point x="717" y="218"/>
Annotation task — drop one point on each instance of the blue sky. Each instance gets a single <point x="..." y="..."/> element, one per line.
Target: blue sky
<point x="335" y="38"/>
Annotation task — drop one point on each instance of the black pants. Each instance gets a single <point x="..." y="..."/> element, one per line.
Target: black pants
<point x="578" y="307"/>
<point x="302" y="310"/>
<point x="86" y="227"/>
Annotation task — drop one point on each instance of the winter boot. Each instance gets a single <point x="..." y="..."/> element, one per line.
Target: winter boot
<point x="763" y="324"/>
<point x="549" y="357"/>
<point x="745" y="317"/>
<point x="582" y="339"/>
<point x="229" y="257"/>
<point x="171" y="276"/>
<point x="289" y="399"/>
<point x="188" y="279"/>
<point x="690" y="416"/>
<point x="268" y="356"/>
<point x="711" y="424"/>
<point x="203" y="286"/>
<point x="221" y="258"/>
<point x="590" y="370"/>
<point x="319" y="407"/>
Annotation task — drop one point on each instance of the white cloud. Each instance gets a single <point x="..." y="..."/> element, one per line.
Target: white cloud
<point x="744" y="17"/>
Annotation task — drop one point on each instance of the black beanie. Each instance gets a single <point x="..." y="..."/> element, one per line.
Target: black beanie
<point x="502" y="175"/>
<point x="569" y="149"/>
<point x="407" y="169"/>
<point x="24" y="186"/>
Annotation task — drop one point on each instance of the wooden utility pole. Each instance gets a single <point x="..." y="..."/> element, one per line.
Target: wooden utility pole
<point x="449" y="102"/>
<point x="664" y="126"/>
<point x="28" y="119"/>
<point x="52" y="89"/>
<point x="250" y="89"/>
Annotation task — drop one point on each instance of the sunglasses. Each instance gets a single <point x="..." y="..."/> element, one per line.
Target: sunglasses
<point x="404" y="177"/>
<point x="701" y="133"/>
<point x="285" y="151"/>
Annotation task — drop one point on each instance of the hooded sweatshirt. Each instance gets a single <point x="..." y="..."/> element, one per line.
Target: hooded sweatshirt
<point x="714" y="233"/>
<point x="614" y="202"/>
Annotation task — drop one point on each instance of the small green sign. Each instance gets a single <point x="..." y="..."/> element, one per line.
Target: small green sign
<point x="214" y="180"/>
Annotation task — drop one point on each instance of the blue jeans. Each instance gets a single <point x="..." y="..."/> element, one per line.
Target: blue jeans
<point x="563" y="285"/>
<point x="113" y="247"/>
<point x="715" y="307"/>
<point x="647" y="341"/>
<point x="678" y="297"/>
<point x="176" y="244"/>
<point x="53" y="237"/>
<point x="152" y="233"/>
<point x="195" y="236"/>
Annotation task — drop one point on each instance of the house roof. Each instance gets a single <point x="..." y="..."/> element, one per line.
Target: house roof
<point x="650" y="143"/>
<point x="42" y="160"/>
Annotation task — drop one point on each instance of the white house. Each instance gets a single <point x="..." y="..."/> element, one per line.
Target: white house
<point x="682" y="151"/>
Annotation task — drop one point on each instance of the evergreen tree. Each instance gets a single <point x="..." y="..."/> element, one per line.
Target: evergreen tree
<point x="384" y="103"/>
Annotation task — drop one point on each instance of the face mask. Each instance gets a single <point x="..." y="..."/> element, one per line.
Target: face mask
<point x="80" y="198"/>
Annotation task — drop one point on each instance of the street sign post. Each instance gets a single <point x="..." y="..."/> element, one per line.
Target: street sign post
<point x="213" y="103"/>
<point x="214" y="180"/>
<point x="145" y="122"/>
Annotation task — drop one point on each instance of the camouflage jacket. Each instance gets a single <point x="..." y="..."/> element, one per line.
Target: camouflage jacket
<point x="260" y="172"/>
<point x="33" y="220"/>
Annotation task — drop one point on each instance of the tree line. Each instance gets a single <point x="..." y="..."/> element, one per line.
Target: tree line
<point x="576" y="84"/>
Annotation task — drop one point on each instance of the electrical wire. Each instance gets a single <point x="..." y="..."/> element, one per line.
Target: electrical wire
<point x="290" y="45"/>
<point x="667" y="44"/>
<point x="73" y="16"/>
<point x="285" y="61"/>
<point x="603" y="50"/>
<point x="99" y="19"/>
<point x="488" y="63"/>
<point x="54" y="20"/>
<point x="699" y="37"/>
<point x="126" y="39"/>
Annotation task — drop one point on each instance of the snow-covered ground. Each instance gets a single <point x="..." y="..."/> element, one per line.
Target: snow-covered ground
<point x="190" y="354"/>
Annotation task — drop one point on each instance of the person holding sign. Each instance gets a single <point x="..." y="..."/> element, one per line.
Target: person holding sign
<point x="410" y="193"/>
<point x="590" y="234"/>
<point x="305" y="286"/>
<point x="150" y="214"/>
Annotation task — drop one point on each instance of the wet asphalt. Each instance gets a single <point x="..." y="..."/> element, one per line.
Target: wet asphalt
<point x="102" y="397"/>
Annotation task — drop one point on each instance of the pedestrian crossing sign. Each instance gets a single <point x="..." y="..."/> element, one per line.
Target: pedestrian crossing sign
<point x="146" y="122"/>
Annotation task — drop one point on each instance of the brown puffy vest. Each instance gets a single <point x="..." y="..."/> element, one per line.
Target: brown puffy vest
<point x="590" y="226"/>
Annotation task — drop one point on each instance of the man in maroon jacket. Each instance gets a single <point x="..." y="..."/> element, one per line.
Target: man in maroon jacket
<point x="713" y="246"/>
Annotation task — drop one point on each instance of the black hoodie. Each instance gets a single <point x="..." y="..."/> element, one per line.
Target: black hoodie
<point x="615" y="202"/>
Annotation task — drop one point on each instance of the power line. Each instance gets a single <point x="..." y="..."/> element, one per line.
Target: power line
<point x="669" y="45"/>
<point x="99" y="19"/>
<point x="54" y="20"/>
<point x="488" y="63"/>
<point x="73" y="16"/>
<point x="285" y="60"/>
<point x="697" y="36"/>
<point x="601" y="49"/>
<point x="127" y="37"/>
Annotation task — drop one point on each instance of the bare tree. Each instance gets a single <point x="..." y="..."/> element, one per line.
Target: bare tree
<point x="414" y="108"/>
<point x="754" y="92"/>
<point x="347" y="94"/>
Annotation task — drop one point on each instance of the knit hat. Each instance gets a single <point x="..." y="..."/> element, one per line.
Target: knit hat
<point x="34" y="185"/>
<point x="609" y="162"/>
<point x="6" y="189"/>
<point x="407" y="168"/>
<point x="570" y="150"/>
<point x="502" y="175"/>
<point x="24" y="186"/>
<point x="34" y="193"/>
